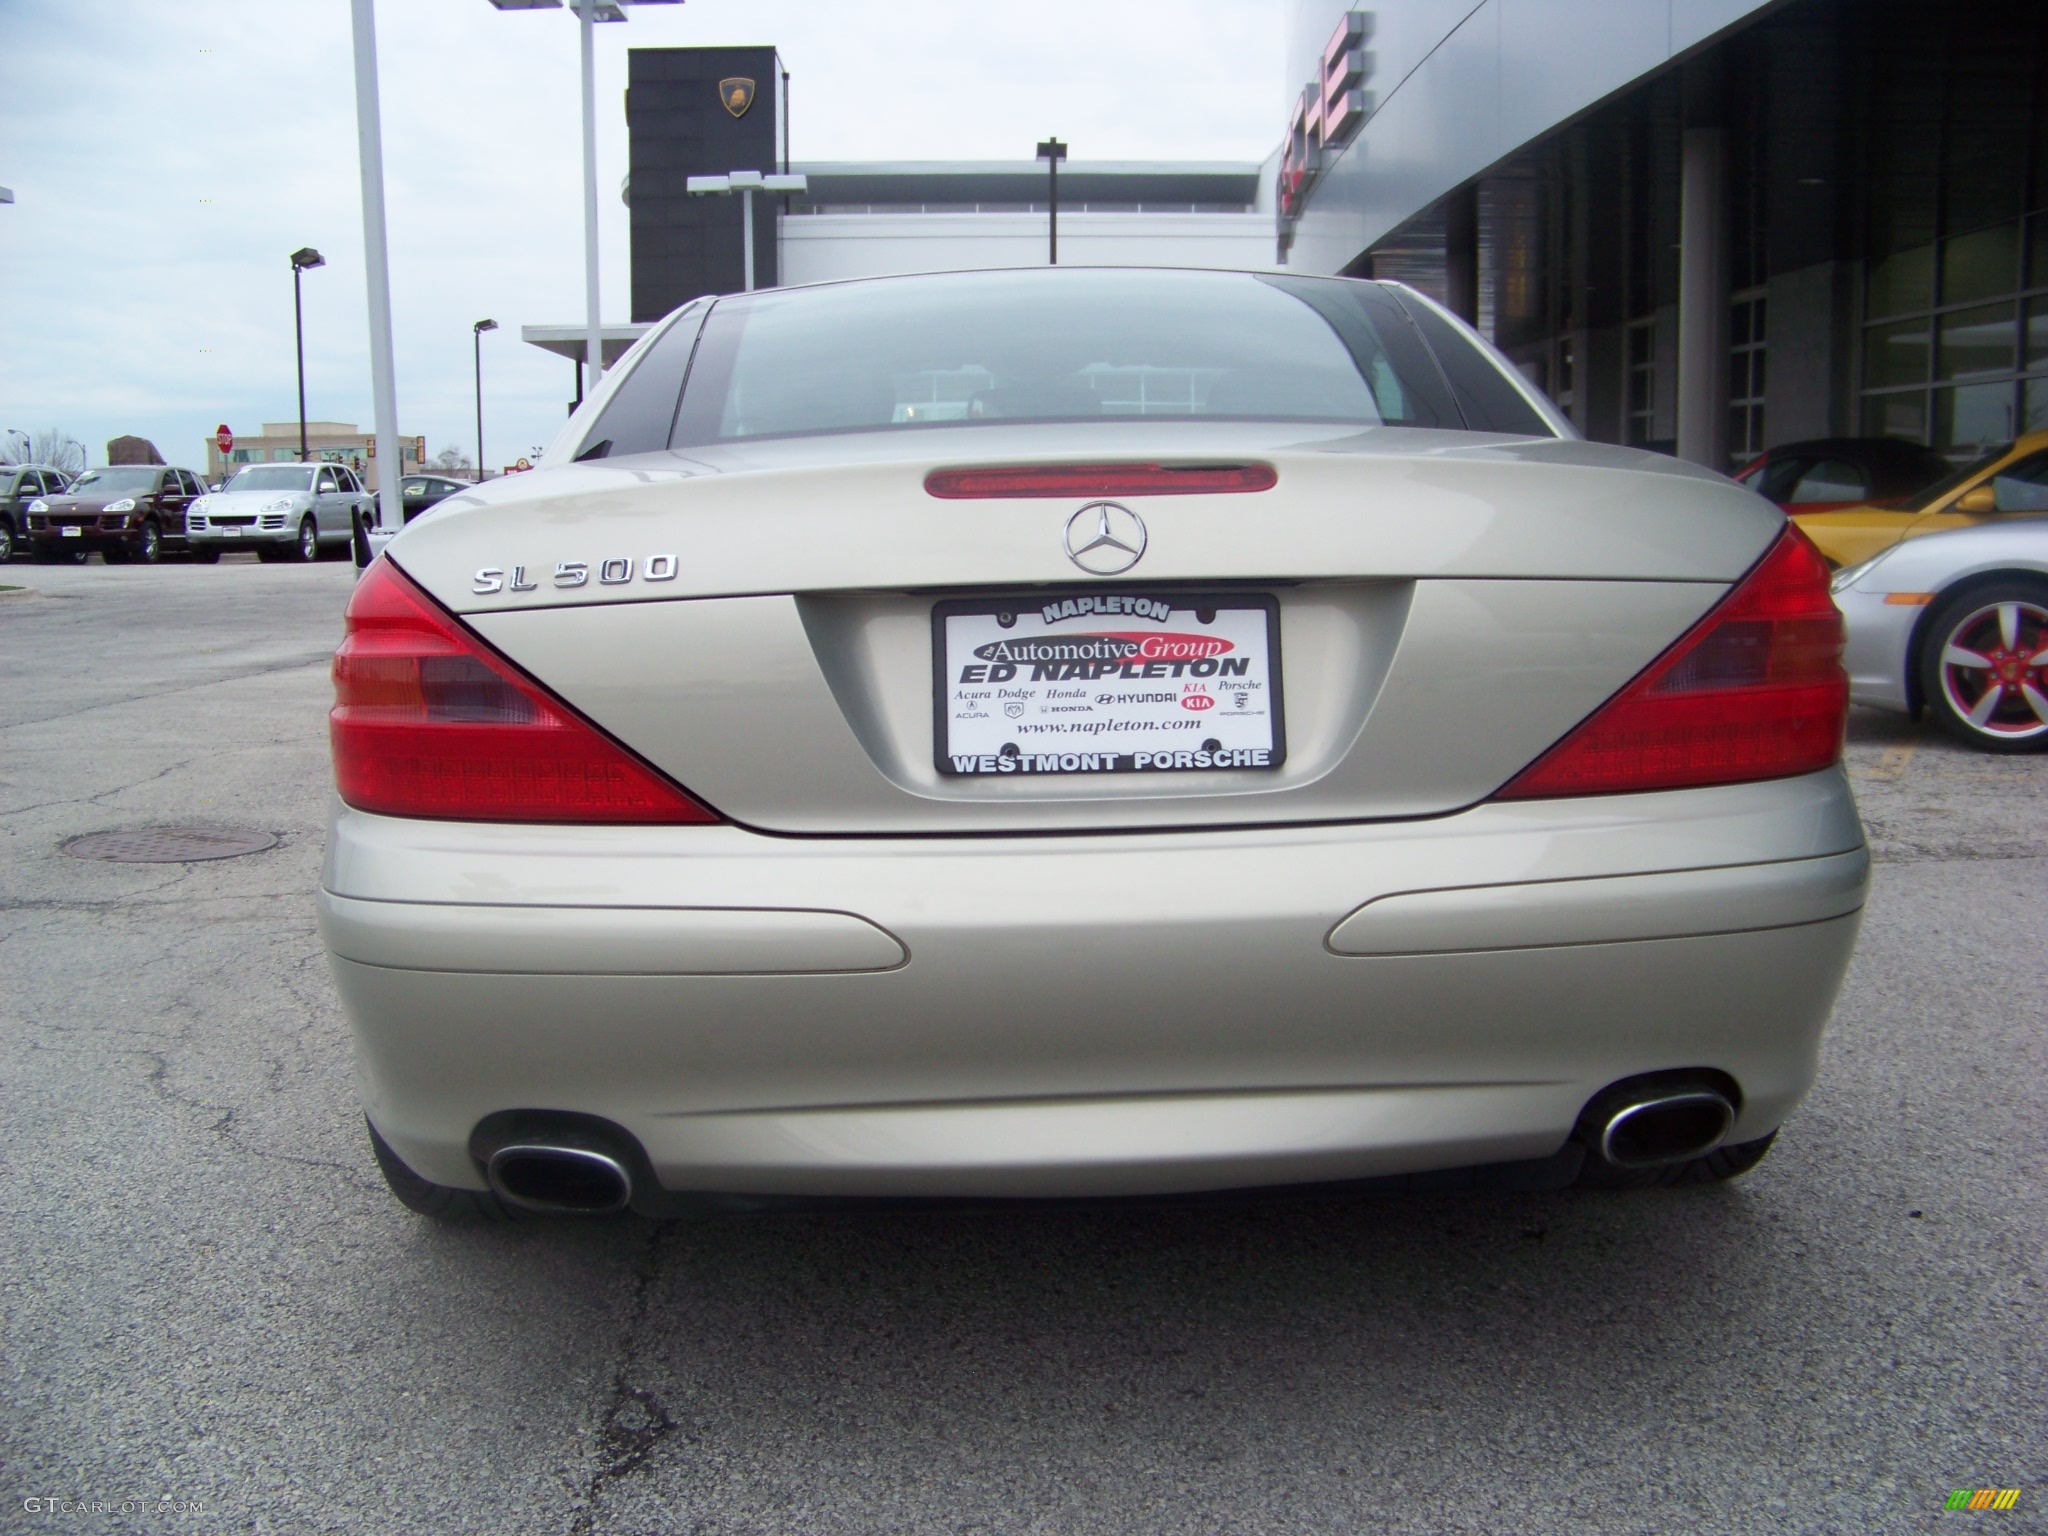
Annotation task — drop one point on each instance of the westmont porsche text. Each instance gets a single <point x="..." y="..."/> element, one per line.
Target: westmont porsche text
<point x="1111" y="762"/>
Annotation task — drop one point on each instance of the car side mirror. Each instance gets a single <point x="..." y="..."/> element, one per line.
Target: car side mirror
<point x="1978" y="499"/>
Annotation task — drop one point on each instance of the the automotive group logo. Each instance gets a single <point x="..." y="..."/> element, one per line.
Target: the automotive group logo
<point x="1106" y="647"/>
<point x="1090" y="658"/>
<point x="1105" y="537"/>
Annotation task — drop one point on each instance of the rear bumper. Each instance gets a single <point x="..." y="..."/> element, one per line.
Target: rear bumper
<point x="223" y="538"/>
<point x="1090" y="1015"/>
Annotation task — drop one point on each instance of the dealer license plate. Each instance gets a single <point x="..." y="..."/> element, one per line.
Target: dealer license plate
<point x="1093" y="682"/>
<point x="72" y="532"/>
<point x="231" y="533"/>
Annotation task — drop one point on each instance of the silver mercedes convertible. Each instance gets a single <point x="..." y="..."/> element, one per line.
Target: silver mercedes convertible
<point x="1082" y="732"/>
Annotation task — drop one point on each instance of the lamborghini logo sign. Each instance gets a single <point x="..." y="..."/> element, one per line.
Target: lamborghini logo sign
<point x="737" y="95"/>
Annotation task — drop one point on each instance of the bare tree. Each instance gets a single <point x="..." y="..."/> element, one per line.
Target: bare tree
<point x="60" y="450"/>
<point x="452" y="460"/>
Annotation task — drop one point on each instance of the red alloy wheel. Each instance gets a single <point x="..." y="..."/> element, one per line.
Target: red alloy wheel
<point x="1993" y="669"/>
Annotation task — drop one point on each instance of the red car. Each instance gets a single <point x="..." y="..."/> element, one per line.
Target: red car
<point x="1842" y="472"/>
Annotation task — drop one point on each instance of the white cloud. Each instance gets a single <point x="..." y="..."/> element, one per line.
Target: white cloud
<point x="166" y="159"/>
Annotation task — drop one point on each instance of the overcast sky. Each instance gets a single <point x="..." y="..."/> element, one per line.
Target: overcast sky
<point x="166" y="158"/>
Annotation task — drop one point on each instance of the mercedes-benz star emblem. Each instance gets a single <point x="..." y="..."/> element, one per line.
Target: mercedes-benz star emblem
<point x="1104" y="538"/>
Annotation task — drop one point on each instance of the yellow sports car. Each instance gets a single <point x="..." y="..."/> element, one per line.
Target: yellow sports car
<point x="2008" y="480"/>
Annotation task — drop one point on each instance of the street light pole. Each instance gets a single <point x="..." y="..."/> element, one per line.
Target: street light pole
<point x="1052" y="151"/>
<point x="746" y="183"/>
<point x="587" y="12"/>
<point x="593" y="328"/>
<point x="477" y="335"/>
<point x="302" y="259"/>
<point x="390" y="509"/>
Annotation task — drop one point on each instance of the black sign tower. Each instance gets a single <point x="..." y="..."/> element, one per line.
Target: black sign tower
<point x="699" y="112"/>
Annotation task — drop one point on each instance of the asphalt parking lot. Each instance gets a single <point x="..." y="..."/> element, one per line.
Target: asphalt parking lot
<point x="210" y="1300"/>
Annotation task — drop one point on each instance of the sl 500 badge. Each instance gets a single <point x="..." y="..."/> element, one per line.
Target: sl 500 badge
<point x="617" y="571"/>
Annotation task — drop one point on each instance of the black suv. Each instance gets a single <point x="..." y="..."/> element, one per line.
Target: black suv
<point x="21" y="484"/>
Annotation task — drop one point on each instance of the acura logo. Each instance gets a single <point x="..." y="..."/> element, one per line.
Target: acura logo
<point x="1104" y="538"/>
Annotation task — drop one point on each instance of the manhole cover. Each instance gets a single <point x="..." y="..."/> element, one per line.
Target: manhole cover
<point x="169" y="845"/>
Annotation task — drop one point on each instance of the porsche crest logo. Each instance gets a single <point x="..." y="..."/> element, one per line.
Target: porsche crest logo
<point x="737" y="95"/>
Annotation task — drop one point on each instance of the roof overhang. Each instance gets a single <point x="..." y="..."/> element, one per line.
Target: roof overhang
<point x="573" y="341"/>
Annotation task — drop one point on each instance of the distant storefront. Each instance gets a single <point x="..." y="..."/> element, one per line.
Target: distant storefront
<point x="872" y="219"/>
<point x="327" y="442"/>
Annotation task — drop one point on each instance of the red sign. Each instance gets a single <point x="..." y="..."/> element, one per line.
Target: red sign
<point x="223" y="439"/>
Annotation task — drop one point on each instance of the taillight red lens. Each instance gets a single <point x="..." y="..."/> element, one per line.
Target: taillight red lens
<point x="1098" y="480"/>
<point x="429" y="721"/>
<point x="1755" y="690"/>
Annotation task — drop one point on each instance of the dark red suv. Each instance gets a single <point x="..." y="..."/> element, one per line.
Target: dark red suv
<point x="126" y="512"/>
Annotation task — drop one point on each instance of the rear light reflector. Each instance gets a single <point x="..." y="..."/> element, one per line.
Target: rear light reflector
<point x="429" y="721"/>
<point x="1098" y="480"/>
<point x="1754" y="690"/>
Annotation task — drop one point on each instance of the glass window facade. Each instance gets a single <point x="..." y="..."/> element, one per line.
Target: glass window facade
<point x="1955" y="298"/>
<point x="1747" y="315"/>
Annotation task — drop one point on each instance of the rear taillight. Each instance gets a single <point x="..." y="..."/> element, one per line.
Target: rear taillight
<point x="429" y="721"/>
<point x="1755" y="690"/>
<point x="1098" y="480"/>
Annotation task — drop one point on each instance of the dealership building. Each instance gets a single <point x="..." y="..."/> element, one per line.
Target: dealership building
<point x="1700" y="225"/>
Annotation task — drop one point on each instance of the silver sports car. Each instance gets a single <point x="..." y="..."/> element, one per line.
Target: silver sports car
<point x="1082" y="732"/>
<point x="1956" y="623"/>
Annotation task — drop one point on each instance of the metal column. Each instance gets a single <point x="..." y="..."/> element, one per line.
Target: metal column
<point x="1703" y="300"/>
<point x="377" y="265"/>
<point x="594" y="340"/>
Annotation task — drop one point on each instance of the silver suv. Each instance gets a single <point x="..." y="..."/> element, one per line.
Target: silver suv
<point x="282" y="511"/>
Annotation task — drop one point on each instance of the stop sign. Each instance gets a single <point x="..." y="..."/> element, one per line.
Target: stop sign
<point x="223" y="439"/>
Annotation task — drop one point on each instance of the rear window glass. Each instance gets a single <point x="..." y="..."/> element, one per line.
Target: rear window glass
<point x="1487" y="398"/>
<point x="273" y="477"/>
<point x="1830" y="480"/>
<point x="1058" y="345"/>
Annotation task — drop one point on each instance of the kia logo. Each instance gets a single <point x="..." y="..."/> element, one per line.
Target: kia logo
<point x="1197" y="701"/>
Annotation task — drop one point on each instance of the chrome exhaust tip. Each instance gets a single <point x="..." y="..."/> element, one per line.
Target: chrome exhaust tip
<point x="560" y="1180"/>
<point x="1659" y="1129"/>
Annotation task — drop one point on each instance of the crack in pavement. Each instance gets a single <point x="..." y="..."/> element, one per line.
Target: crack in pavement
<point x="106" y="794"/>
<point x="320" y="659"/>
<point x="634" y="1420"/>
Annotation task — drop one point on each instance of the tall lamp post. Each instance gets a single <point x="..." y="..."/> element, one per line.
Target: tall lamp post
<point x="303" y="259"/>
<point x="477" y="335"/>
<point x="746" y="183"/>
<point x="587" y="12"/>
<point x="1052" y="152"/>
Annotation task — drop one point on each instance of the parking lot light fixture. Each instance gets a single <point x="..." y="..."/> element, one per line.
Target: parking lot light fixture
<point x="303" y="259"/>
<point x="587" y="12"/>
<point x="746" y="183"/>
<point x="477" y="336"/>
<point x="1052" y="152"/>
